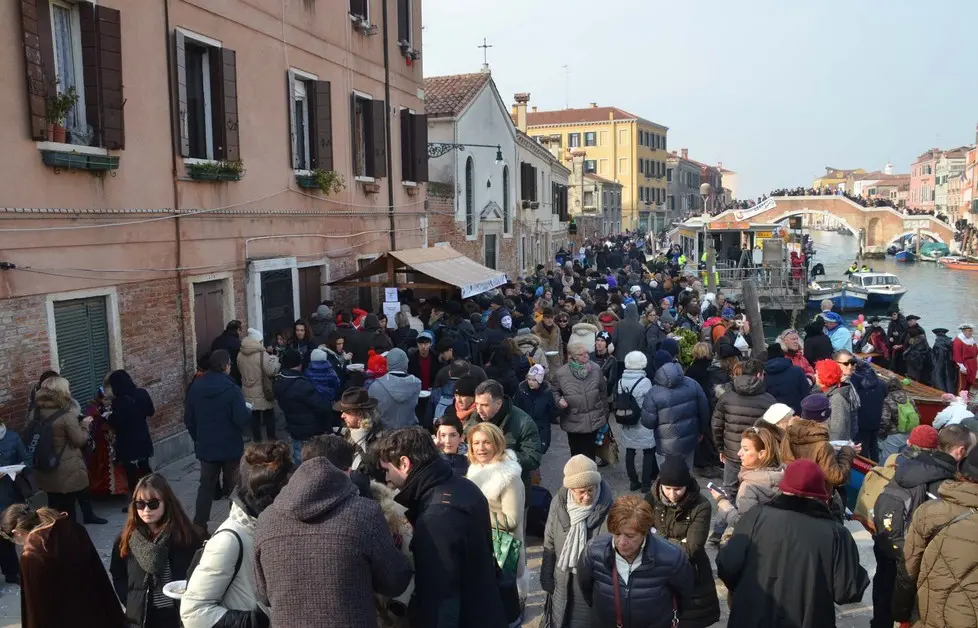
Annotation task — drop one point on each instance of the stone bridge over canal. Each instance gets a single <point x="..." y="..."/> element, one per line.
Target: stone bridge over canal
<point x="882" y="226"/>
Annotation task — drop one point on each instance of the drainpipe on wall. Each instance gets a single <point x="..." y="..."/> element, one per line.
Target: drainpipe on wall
<point x="387" y="125"/>
<point x="176" y="196"/>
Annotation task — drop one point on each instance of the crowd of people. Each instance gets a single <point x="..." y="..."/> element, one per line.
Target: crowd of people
<point x="389" y="474"/>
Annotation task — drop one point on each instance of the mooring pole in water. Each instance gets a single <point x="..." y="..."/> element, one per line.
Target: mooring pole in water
<point x="918" y="241"/>
<point x="752" y="304"/>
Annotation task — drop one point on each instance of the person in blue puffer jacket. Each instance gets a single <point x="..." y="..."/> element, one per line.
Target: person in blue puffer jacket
<point x="12" y="451"/>
<point x="676" y="410"/>
<point x="320" y="372"/>
<point x="785" y="381"/>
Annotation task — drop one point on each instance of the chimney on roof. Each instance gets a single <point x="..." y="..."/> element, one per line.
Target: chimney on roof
<point x="593" y="105"/>
<point x="521" y="99"/>
<point x="685" y="153"/>
<point x="533" y="109"/>
<point x="719" y="165"/>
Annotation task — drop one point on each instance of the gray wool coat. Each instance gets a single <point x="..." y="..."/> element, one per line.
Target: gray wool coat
<point x="559" y="604"/>
<point x="587" y="399"/>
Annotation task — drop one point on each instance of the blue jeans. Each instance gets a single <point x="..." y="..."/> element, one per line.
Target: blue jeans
<point x="892" y="444"/>
<point x="297" y="451"/>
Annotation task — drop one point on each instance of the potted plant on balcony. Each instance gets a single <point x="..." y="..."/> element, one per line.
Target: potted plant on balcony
<point x="57" y="108"/>
<point x="329" y="181"/>
<point x="216" y="171"/>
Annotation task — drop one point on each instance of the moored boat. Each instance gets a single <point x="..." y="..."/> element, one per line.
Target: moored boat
<point x="882" y="288"/>
<point x="960" y="265"/>
<point x="933" y="251"/>
<point x="842" y="295"/>
<point x="906" y="257"/>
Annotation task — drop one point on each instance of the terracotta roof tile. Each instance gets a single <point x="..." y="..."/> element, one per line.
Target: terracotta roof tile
<point x="587" y="114"/>
<point x="450" y="95"/>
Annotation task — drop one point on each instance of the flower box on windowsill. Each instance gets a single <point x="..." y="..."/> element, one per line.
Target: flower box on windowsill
<point x="215" y="171"/>
<point x="370" y="187"/>
<point x="572" y="228"/>
<point x="79" y="161"/>
<point x="307" y="181"/>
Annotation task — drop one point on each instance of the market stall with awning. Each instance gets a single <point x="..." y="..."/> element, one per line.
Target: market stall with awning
<point x="433" y="268"/>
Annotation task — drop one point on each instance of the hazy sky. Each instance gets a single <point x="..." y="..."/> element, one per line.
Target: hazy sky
<point x="775" y="89"/>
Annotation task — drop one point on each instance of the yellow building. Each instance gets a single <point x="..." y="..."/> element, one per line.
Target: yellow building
<point x="619" y="146"/>
<point x="835" y="176"/>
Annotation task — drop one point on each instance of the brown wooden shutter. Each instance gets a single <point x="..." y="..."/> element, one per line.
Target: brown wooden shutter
<point x="420" y="138"/>
<point x="378" y="140"/>
<point x="101" y="30"/>
<point x="407" y="159"/>
<point x="183" y="116"/>
<point x="322" y="114"/>
<point x="35" y="19"/>
<point x="533" y="183"/>
<point x="227" y="146"/>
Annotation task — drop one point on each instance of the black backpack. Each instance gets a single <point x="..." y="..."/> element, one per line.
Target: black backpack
<point x="625" y="409"/>
<point x="237" y="565"/>
<point x="40" y="441"/>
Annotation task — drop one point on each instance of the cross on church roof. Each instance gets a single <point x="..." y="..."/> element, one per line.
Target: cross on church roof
<point x="485" y="51"/>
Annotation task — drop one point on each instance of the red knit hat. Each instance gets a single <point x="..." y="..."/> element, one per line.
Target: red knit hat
<point x="805" y="479"/>
<point x="923" y="436"/>
<point x="376" y="364"/>
<point x="829" y="373"/>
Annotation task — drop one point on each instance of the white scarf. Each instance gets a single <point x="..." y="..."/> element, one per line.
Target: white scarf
<point x="967" y="341"/>
<point x="577" y="533"/>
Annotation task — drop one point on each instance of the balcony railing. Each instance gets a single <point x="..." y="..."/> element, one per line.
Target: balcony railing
<point x="770" y="279"/>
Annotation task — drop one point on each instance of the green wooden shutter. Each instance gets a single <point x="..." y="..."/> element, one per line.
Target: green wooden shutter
<point x="82" y="329"/>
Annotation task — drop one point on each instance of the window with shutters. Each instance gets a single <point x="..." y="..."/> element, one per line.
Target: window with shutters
<point x="590" y="138"/>
<point x="207" y="98"/>
<point x="71" y="45"/>
<point x="573" y="140"/>
<point x="369" y="147"/>
<point x="414" y="147"/>
<point x="506" y="208"/>
<point x="82" y="336"/>
<point x="469" y="197"/>
<point x="490" y="254"/>
<point x="311" y="121"/>
<point x="590" y="165"/>
<point x="404" y="22"/>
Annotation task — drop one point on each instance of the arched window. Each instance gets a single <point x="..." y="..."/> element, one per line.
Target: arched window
<point x="469" y="197"/>
<point x="505" y="199"/>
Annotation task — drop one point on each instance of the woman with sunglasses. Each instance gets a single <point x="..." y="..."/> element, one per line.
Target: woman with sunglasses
<point x="221" y="593"/>
<point x="63" y="582"/>
<point x="156" y="546"/>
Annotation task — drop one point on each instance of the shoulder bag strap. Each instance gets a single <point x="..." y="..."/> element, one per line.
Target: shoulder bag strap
<point x="237" y="563"/>
<point x="614" y="580"/>
<point x="966" y="514"/>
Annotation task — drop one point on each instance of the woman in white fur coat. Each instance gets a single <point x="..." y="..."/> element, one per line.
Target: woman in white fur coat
<point x="495" y="470"/>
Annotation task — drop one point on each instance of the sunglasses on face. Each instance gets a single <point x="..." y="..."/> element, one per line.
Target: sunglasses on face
<point x="846" y="362"/>
<point x="152" y="504"/>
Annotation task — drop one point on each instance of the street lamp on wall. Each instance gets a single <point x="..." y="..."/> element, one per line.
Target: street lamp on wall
<point x="437" y="149"/>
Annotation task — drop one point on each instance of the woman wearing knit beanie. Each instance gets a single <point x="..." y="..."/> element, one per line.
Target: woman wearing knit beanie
<point x="682" y="515"/>
<point x="807" y="438"/>
<point x="637" y="437"/>
<point x="577" y="513"/>
<point x="770" y="586"/>
<point x="535" y="397"/>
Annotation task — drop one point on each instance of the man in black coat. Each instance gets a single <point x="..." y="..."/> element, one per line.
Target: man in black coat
<point x="945" y="370"/>
<point x="307" y="412"/>
<point x="454" y="566"/>
<point x="789" y="562"/>
<point x="370" y="337"/>
<point x="230" y="341"/>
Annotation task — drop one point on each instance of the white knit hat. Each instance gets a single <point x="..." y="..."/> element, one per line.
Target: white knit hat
<point x="254" y="334"/>
<point x="636" y="360"/>
<point x="318" y="355"/>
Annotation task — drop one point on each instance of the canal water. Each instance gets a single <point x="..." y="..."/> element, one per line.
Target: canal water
<point x="940" y="297"/>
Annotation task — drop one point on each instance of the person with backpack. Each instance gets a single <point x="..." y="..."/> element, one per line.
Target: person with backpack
<point x="221" y="590"/>
<point x="155" y="548"/>
<point x="626" y="409"/>
<point x="899" y="416"/>
<point x="940" y="552"/>
<point x="932" y="461"/>
<point x="55" y="439"/>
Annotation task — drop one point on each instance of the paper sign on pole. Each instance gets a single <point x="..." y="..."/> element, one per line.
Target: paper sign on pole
<point x="390" y="311"/>
<point x="390" y="294"/>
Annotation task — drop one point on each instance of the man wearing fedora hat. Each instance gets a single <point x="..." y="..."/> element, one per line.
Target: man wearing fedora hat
<point x="361" y="418"/>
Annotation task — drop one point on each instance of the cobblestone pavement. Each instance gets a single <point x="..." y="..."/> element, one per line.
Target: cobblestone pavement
<point x="183" y="476"/>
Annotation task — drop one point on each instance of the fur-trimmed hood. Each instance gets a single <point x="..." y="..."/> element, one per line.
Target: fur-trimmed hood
<point x="584" y="330"/>
<point x="53" y="400"/>
<point x="493" y="478"/>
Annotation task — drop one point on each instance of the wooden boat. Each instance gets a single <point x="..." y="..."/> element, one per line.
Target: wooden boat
<point x="843" y="296"/>
<point x="961" y="265"/>
<point x="906" y="257"/>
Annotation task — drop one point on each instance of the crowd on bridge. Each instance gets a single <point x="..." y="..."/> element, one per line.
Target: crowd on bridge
<point x="389" y="475"/>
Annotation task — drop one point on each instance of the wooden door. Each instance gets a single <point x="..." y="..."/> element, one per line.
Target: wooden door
<point x="278" y="310"/>
<point x="208" y="313"/>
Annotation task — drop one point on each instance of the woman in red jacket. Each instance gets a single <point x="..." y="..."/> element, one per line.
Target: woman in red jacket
<point x="965" y="353"/>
